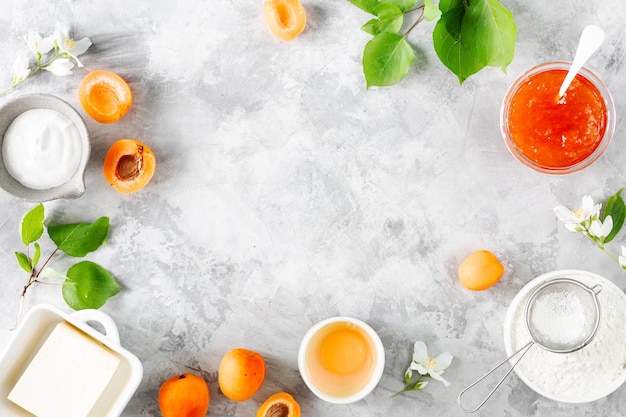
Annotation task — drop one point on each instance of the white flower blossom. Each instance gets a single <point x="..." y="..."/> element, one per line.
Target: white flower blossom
<point x="622" y="258"/>
<point x="60" y="66"/>
<point x="68" y="45"/>
<point x="601" y="229"/>
<point x="39" y="45"/>
<point x="576" y="220"/>
<point x="427" y="365"/>
<point x="21" y="69"/>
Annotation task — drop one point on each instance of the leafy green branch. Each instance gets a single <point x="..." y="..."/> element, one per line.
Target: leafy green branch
<point x="86" y="284"/>
<point x="469" y="35"/>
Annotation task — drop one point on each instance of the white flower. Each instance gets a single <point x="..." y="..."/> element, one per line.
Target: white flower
<point x="68" y="45"/>
<point x="586" y="211"/>
<point x="426" y="365"/>
<point x="622" y="258"/>
<point x="20" y="69"/>
<point x="601" y="229"/>
<point x="39" y="45"/>
<point x="60" y="66"/>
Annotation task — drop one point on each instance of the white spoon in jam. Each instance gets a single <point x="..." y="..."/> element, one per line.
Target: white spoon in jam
<point x="590" y="40"/>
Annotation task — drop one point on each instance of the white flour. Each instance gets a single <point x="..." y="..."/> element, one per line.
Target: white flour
<point x="586" y="372"/>
<point x="559" y="318"/>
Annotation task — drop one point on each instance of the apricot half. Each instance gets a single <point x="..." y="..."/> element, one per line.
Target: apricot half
<point x="285" y="18"/>
<point x="279" y="405"/>
<point x="241" y="374"/>
<point x="185" y="395"/>
<point x="129" y="165"/>
<point x="105" y="96"/>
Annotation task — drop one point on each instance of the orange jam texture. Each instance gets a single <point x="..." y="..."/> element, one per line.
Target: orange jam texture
<point x="557" y="134"/>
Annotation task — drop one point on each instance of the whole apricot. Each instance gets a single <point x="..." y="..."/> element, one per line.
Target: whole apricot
<point x="241" y="374"/>
<point x="184" y="395"/>
<point x="480" y="270"/>
<point x="279" y="405"/>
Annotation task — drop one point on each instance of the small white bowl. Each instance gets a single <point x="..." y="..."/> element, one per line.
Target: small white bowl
<point x="73" y="188"/>
<point x="379" y="358"/>
<point x="516" y="309"/>
<point x="33" y="331"/>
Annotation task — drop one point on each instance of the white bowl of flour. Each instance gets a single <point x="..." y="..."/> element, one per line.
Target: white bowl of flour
<point x="588" y="374"/>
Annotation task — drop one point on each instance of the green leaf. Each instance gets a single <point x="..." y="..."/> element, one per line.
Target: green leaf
<point x="403" y="5"/>
<point x="467" y="39"/>
<point x="36" y="255"/>
<point x="32" y="224"/>
<point x="386" y="59"/>
<point x="431" y="11"/>
<point x="88" y="285"/>
<point x="368" y="6"/>
<point x="449" y="48"/>
<point x="80" y="239"/>
<point x="371" y="26"/>
<point x="390" y="19"/>
<point x="615" y="208"/>
<point x="24" y="262"/>
<point x="447" y="5"/>
<point x="48" y="272"/>
<point x="488" y="32"/>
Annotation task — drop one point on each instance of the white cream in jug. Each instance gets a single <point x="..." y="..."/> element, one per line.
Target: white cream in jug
<point x="42" y="149"/>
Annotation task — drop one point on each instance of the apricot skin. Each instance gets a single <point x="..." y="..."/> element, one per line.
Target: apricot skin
<point x="184" y="395"/>
<point x="480" y="270"/>
<point x="241" y="374"/>
<point x="285" y="18"/>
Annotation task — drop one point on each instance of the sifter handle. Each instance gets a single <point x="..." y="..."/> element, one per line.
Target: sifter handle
<point x="525" y="349"/>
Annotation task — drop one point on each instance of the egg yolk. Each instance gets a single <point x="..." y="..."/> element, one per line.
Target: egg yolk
<point x="343" y="352"/>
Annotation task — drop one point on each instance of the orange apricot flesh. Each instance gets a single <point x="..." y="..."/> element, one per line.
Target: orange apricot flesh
<point x="285" y="18"/>
<point x="129" y="165"/>
<point x="105" y="96"/>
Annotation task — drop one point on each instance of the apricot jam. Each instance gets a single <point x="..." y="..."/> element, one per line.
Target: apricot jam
<point x="552" y="133"/>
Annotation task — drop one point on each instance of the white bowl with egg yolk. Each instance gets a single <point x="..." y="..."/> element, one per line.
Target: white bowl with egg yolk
<point x="341" y="359"/>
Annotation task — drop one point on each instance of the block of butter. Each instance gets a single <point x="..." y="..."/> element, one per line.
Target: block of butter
<point x="67" y="375"/>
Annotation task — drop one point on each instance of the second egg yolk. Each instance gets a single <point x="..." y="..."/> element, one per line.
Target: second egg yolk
<point x="343" y="352"/>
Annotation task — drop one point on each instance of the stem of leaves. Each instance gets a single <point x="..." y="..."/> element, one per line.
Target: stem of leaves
<point x="85" y="284"/>
<point x="419" y="19"/>
<point x="34" y="276"/>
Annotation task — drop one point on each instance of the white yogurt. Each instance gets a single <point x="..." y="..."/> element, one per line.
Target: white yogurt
<point x="42" y="149"/>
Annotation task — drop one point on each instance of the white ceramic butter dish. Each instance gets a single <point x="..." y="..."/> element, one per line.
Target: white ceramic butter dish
<point x="33" y="332"/>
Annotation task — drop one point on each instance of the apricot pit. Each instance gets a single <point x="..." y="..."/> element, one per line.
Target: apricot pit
<point x="129" y="165"/>
<point x="280" y="404"/>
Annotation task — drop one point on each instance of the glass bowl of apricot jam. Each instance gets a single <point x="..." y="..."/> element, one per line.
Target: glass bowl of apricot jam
<point x="557" y="135"/>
